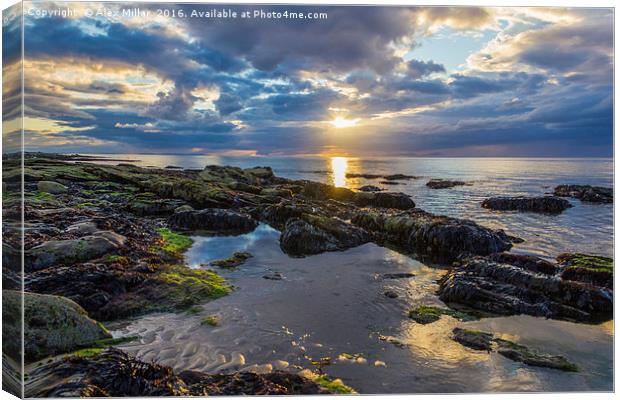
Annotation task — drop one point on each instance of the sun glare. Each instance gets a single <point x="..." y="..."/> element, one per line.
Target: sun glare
<point x="339" y="171"/>
<point x="340" y="122"/>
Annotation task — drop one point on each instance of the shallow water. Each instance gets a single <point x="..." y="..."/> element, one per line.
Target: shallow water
<point x="334" y="303"/>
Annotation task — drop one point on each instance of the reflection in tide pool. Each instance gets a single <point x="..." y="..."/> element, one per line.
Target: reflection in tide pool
<point x="334" y="303"/>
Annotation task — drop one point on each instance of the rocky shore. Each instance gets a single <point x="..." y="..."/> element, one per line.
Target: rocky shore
<point x="106" y="242"/>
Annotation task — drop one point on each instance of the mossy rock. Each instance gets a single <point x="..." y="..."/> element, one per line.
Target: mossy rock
<point x="234" y="261"/>
<point x="53" y="324"/>
<point x="597" y="270"/>
<point x="428" y="314"/>
<point x="51" y="187"/>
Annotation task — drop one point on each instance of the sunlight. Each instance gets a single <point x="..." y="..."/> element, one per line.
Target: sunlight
<point x="339" y="171"/>
<point x="340" y="122"/>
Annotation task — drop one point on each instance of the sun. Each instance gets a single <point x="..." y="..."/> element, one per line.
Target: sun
<point x="340" y="122"/>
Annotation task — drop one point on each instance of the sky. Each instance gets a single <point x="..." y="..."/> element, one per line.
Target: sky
<point x="365" y="81"/>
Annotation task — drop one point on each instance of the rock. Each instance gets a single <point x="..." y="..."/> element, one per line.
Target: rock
<point x="184" y="207"/>
<point x="479" y="340"/>
<point x="520" y="353"/>
<point x="236" y="260"/>
<point x="213" y="219"/>
<point x="117" y="374"/>
<point x="399" y="177"/>
<point x="476" y="340"/>
<point x="543" y="204"/>
<point x="593" y="194"/>
<point x="82" y="228"/>
<point x="364" y="176"/>
<point x="51" y="187"/>
<point x="398" y="201"/>
<point x="428" y="314"/>
<point x="440" y="238"/>
<point x="393" y="183"/>
<point x="508" y="287"/>
<point x="443" y="184"/>
<point x="52" y="324"/>
<point x="397" y="275"/>
<point x="596" y="270"/>
<point x="145" y="206"/>
<point x="390" y="294"/>
<point x="72" y="251"/>
<point x="370" y="188"/>
<point x="273" y="276"/>
<point x="321" y="191"/>
<point x="315" y="234"/>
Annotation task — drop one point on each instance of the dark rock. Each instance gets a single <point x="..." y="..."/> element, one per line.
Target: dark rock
<point x="144" y="207"/>
<point x="502" y="288"/>
<point x="273" y="276"/>
<point x="443" y="184"/>
<point x="476" y="340"/>
<point x="428" y="314"/>
<point x="365" y="176"/>
<point x="370" y="188"/>
<point x="593" y="194"/>
<point x="314" y="235"/>
<point x="398" y="275"/>
<point x="544" y="204"/>
<point x="212" y="219"/>
<point x="398" y="201"/>
<point x="520" y="353"/>
<point x="390" y="294"/>
<point x="321" y="191"/>
<point x="440" y="238"/>
<point x="399" y="177"/>
<point x="479" y="340"/>
<point x="393" y="183"/>
<point x="530" y="263"/>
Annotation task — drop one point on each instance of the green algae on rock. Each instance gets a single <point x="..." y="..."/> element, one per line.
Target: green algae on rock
<point x="587" y="268"/>
<point x="237" y="259"/>
<point x="428" y="314"/>
<point x="172" y="242"/>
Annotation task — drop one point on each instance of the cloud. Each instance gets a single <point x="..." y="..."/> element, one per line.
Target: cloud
<point x="271" y="86"/>
<point x="418" y="69"/>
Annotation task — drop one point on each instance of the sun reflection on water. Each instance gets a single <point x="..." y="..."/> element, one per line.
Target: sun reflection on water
<point x="340" y="165"/>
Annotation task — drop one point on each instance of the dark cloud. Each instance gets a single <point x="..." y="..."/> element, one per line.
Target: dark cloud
<point x="418" y="69"/>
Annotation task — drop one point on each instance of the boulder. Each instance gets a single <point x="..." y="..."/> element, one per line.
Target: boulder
<point x="51" y="187"/>
<point x="443" y="184"/>
<point x="440" y="238"/>
<point x="52" y="324"/>
<point x="72" y="251"/>
<point x="314" y="235"/>
<point x="213" y="219"/>
<point x="508" y="287"/>
<point x="370" y="188"/>
<point x="592" y="194"/>
<point x="542" y="204"/>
